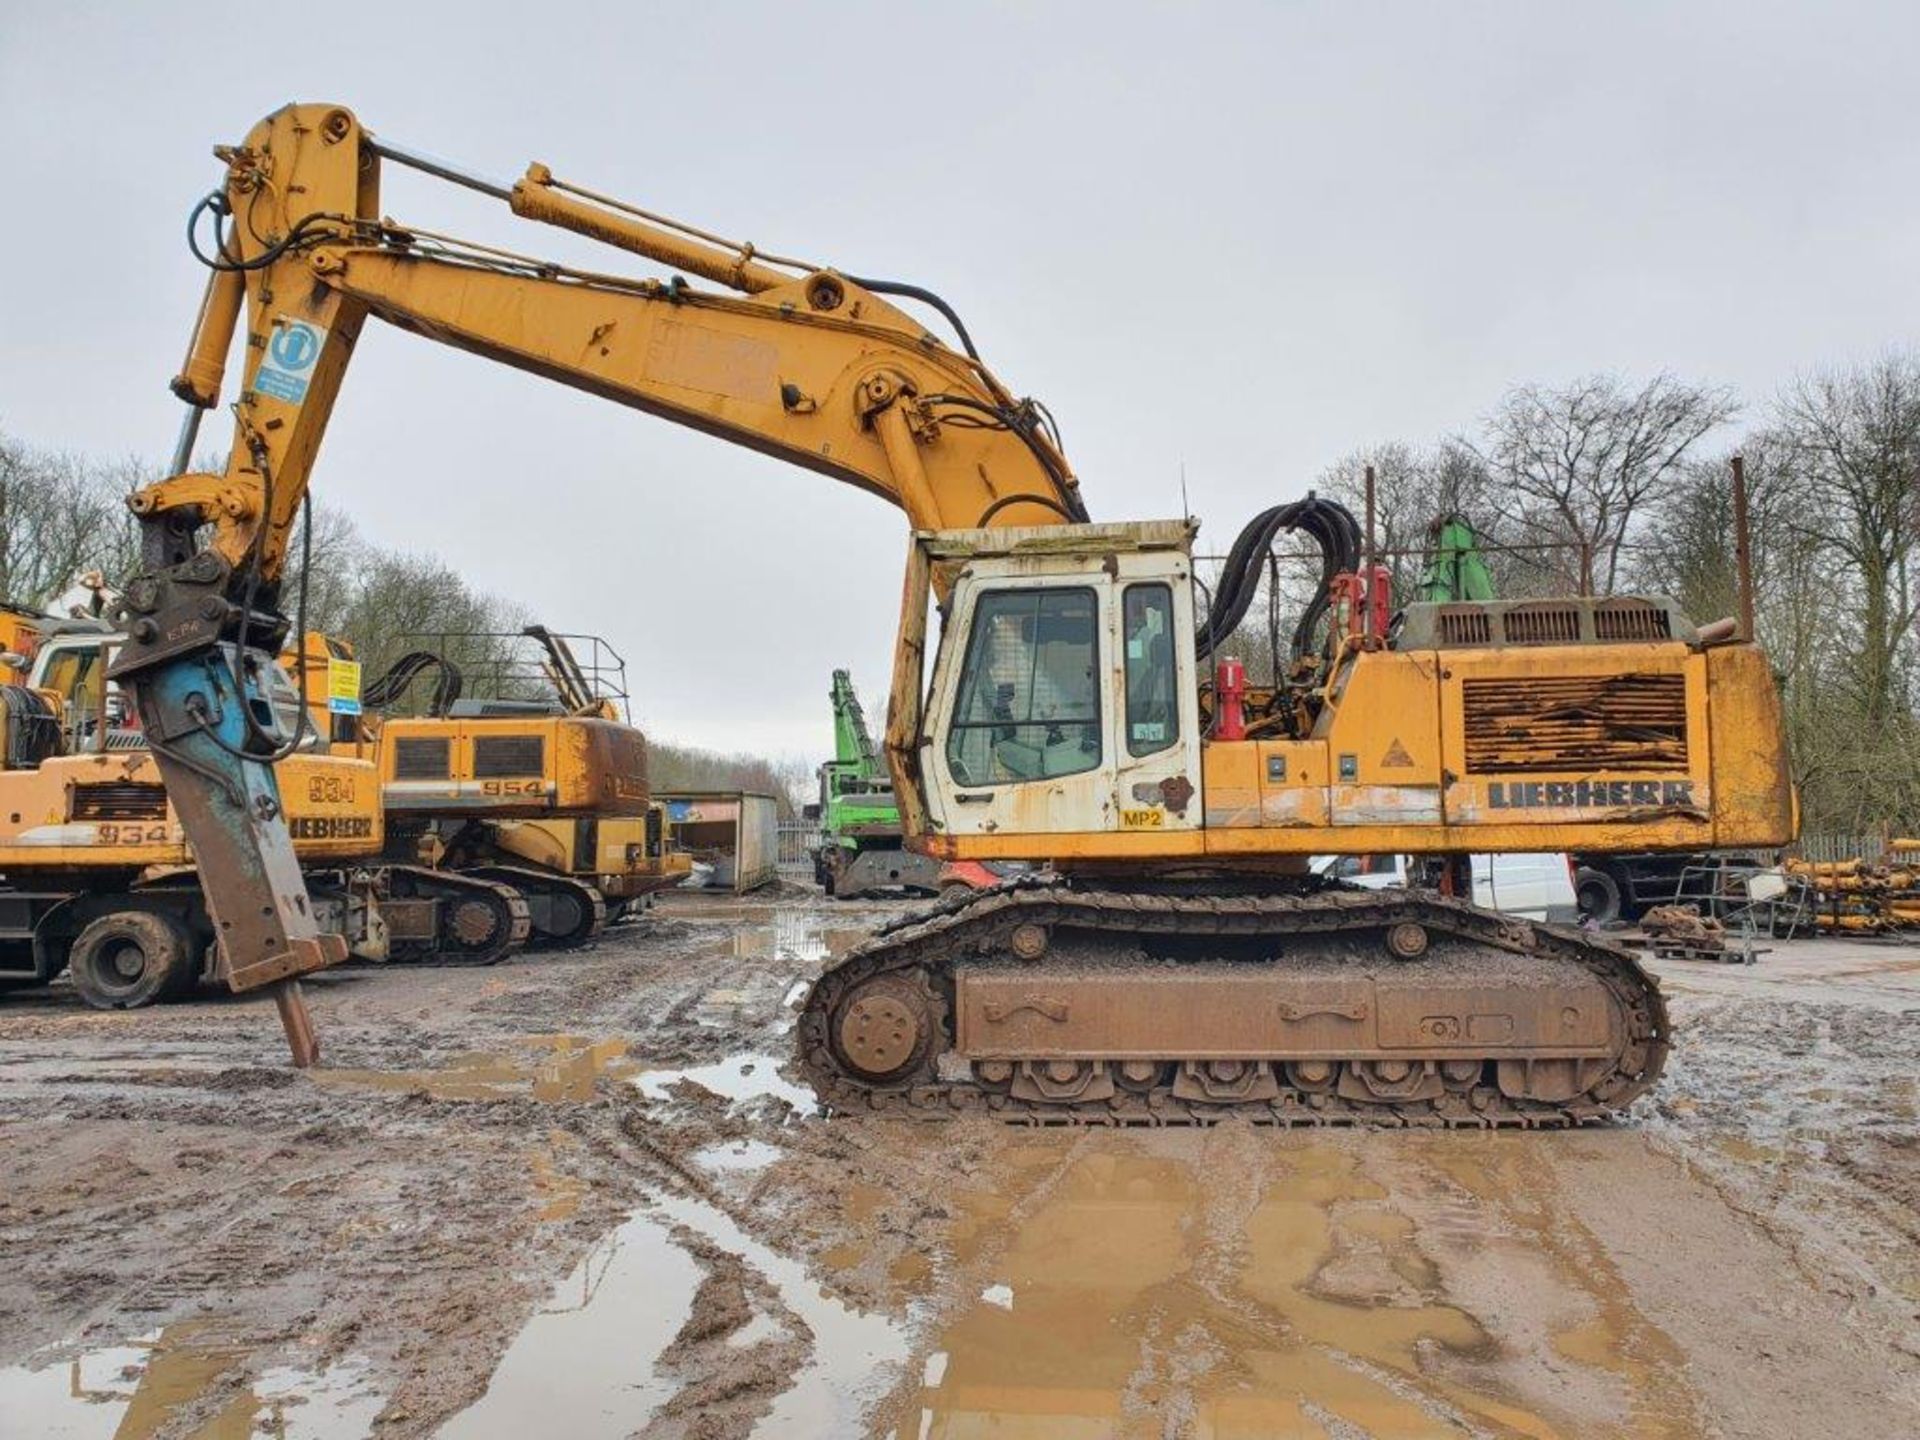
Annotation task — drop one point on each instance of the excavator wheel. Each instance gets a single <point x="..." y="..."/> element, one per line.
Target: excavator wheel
<point x="480" y="926"/>
<point x="131" y="958"/>
<point x="888" y="1028"/>
<point x="1280" y="1000"/>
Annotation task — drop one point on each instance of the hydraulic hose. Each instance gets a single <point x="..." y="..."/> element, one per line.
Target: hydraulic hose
<point x="1330" y="525"/>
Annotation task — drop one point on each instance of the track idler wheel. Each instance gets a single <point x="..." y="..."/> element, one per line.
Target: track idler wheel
<point x="887" y="1028"/>
<point x="478" y="927"/>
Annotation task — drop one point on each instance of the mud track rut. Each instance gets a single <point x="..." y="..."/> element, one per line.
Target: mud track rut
<point x="977" y="928"/>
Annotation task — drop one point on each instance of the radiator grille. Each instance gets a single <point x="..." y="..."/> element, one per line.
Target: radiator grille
<point x="1545" y="624"/>
<point x="1630" y="620"/>
<point x="120" y="800"/>
<point x="499" y="755"/>
<point x="1579" y="722"/>
<point x="1465" y="626"/>
<point x="421" y="758"/>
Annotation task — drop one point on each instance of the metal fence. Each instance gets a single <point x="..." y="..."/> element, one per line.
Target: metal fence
<point x="1840" y="847"/>
<point x="798" y="838"/>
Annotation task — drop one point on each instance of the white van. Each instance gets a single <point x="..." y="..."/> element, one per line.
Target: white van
<point x="1533" y="887"/>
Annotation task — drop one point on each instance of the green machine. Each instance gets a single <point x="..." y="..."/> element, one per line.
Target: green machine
<point x="860" y="851"/>
<point x="1455" y="569"/>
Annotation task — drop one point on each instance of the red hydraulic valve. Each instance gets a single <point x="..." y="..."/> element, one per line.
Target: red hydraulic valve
<point x="1229" y="700"/>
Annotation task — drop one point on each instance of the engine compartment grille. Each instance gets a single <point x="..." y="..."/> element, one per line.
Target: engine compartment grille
<point x="1630" y="620"/>
<point x="1576" y="722"/>
<point x="120" y="800"/>
<point x="1465" y="625"/>
<point x="1543" y="624"/>
<point x="421" y="757"/>
<point x="495" y="756"/>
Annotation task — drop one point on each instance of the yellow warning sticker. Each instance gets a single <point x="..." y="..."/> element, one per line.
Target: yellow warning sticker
<point x="343" y="687"/>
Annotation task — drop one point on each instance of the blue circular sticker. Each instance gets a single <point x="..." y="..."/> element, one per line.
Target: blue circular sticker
<point x="295" y="347"/>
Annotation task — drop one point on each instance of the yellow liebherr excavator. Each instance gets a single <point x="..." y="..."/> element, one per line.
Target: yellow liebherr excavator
<point x="1177" y="965"/>
<point x="545" y="793"/>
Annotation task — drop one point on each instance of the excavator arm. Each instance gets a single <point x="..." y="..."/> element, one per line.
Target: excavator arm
<point x="801" y="362"/>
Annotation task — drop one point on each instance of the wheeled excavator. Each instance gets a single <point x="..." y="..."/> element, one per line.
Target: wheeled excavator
<point x="99" y="879"/>
<point x="544" y="791"/>
<point x="1082" y="704"/>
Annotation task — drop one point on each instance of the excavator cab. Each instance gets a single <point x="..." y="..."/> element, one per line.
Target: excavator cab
<point x="1063" y="698"/>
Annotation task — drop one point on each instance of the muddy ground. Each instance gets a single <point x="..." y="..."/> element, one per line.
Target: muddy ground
<point x="575" y="1196"/>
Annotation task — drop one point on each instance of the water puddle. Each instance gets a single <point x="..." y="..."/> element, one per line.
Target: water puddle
<point x="1748" y="1152"/>
<point x="559" y="1193"/>
<point x="584" y="1366"/>
<point x="588" y="1364"/>
<point x="552" y="1069"/>
<point x="192" y="1373"/>
<point x="1136" y="1289"/>
<point x="852" y="1352"/>
<point x="796" y="937"/>
<point x="1614" y="1342"/>
<point x="736" y="1078"/>
<point x="737" y="1156"/>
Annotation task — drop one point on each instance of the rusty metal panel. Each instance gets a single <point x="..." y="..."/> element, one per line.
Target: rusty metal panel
<point x="410" y="919"/>
<point x="1569" y="1019"/>
<point x="1279" y="1011"/>
<point x="1575" y="723"/>
<point x="1753" y="796"/>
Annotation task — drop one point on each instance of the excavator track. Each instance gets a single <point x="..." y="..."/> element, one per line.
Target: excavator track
<point x="480" y="922"/>
<point x="564" y="911"/>
<point x="1056" y="1001"/>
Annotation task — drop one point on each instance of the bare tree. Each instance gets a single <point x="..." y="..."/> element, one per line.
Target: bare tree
<point x="60" y="516"/>
<point x="1415" y="490"/>
<point x="1575" y="466"/>
<point x="1852" y="438"/>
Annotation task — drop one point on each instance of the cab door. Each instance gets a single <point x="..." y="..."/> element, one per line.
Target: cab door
<point x="1155" y="713"/>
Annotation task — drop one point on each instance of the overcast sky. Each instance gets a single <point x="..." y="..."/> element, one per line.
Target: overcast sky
<point x="1244" y="239"/>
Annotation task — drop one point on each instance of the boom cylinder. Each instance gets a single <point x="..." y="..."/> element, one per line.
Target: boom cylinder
<point x="535" y="198"/>
<point x="198" y="382"/>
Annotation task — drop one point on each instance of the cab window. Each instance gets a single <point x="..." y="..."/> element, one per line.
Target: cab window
<point x="1029" y="701"/>
<point x="1153" y="709"/>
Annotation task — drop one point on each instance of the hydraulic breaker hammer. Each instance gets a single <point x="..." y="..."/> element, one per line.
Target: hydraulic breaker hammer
<point x="197" y="661"/>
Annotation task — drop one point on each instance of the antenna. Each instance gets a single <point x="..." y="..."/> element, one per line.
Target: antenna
<point x="1186" y="510"/>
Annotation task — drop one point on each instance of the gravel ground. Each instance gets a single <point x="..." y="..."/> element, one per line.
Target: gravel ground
<point x="577" y="1193"/>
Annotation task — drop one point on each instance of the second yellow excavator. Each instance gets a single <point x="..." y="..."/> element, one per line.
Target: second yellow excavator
<point x="1081" y="706"/>
<point x="523" y="772"/>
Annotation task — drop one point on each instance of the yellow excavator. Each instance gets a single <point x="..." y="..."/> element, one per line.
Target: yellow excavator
<point x="96" y="877"/>
<point x="537" y="781"/>
<point x="1078" y="704"/>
